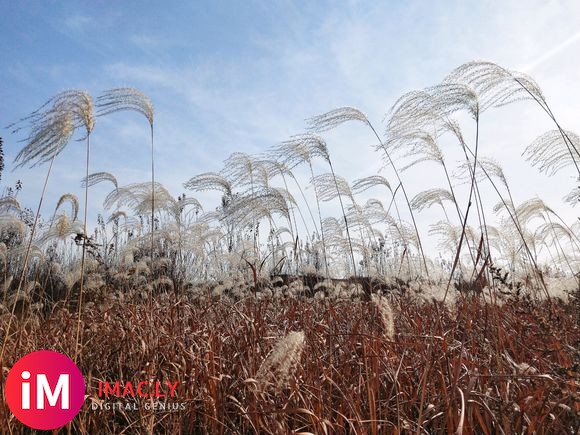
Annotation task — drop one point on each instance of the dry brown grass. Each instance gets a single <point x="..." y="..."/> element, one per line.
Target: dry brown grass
<point x="444" y="370"/>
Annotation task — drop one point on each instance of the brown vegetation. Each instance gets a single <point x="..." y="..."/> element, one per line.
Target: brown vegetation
<point x="447" y="368"/>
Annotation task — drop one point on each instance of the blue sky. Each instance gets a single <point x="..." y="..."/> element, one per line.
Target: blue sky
<point x="242" y="76"/>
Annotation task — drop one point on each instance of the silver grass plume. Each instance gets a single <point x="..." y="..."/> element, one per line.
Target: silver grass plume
<point x="329" y="120"/>
<point x="498" y="86"/>
<point x="411" y="111"/>
<point x="386" y="313"/>
<point x="287" y="195"/>
<point x="46" y="140"/>
<point x="333" y="226"/>
<point x="550" y="153"/>
<point x="281" y="363"/>
<point x="61" y="228"/>
<point x="79" y="104"/>
<point x="357" y="217"/>
<point x="253" y="207"/>
<point x="491" y="167"/>
<point x="374" y="211"/>
<point x="495" y="86"/>
<point x="536" y="208"/>
<point x="277" y="168"/>
<point x="209" y="181"/>
<point x="363" y="184"/>
<point x="263" y="173"/>
<point x="33" y="252"/>
<point x="418" y="146"/>
<point x="329" y="186"/>
<point x="117" y="215"/>
<point x="72" y="199"/>
<point x="13" y="225"/>
<point x="138" y="197"/>
<point x="532" y="208"/>
<point x="52" y="126"/>
<point x="430" y="108"/>
<point x="99" y="177"/>
<point x="317" y="147"/>
<point x="135" y="196"/>
<point x="507" y="239"/>
<point x="429" y="197"/>
<point x="241" y="169"/>
<point x="449" y="235"/>
<point x="291" y="152"/>
<point x="10" y="204"/>
<point x="309" y="145"/>
<point x="131" y="223"/>
<point x="114" y="100"/>
<point x="486" y="167"/>
<point x="573" y="198"/>
<point x="494" y="235"/>
<point x="550" y="232"/>
<point x="209" y="217"/>
<point x="404" y="233"/>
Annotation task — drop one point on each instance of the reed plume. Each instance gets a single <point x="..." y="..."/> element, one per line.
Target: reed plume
<point x="292" y="153"/>
<point x="551" y="153"/>
<point x="50" y="129"/>
<point x="210" y="181"/>
<point x="386" y="313"/>
<point x="120" y="99"/>
<point x="72" y="199"/>
<point x="341" y="115"/>
<point x="99" y="177"/>
<point x="317" y="147"/>
<point x="498" y="86"/>
<point x="281" y="363"/>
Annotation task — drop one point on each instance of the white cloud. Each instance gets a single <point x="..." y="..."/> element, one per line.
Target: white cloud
<point x="77" y="23"/>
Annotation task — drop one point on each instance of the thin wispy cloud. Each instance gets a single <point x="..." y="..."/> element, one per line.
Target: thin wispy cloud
<point x="78" y="23"/>
<point x="559" y="48"/>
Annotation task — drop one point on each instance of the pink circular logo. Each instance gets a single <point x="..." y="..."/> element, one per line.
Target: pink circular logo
<point x="45" y="390"/>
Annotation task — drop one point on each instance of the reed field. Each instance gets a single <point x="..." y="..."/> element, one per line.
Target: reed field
<point x="306" y="302"/>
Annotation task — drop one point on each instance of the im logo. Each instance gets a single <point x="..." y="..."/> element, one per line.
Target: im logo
<point x="45" y="390"/>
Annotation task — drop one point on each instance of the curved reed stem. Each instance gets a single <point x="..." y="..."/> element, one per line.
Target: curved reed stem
<point x="471" y="190"/>
<point x="384" y="148"/>
<point x="322" y="236"/>
<point x="78" y="339"/>
<point x="152" y="197"/>
<point x="345" y="220"/>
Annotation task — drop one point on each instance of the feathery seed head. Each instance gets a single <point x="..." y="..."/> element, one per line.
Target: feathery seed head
<point x="118" y="99"/>
<point x="329" y="120"/>
<point x="280" y="365"/>
<point x="386" y="313"/>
